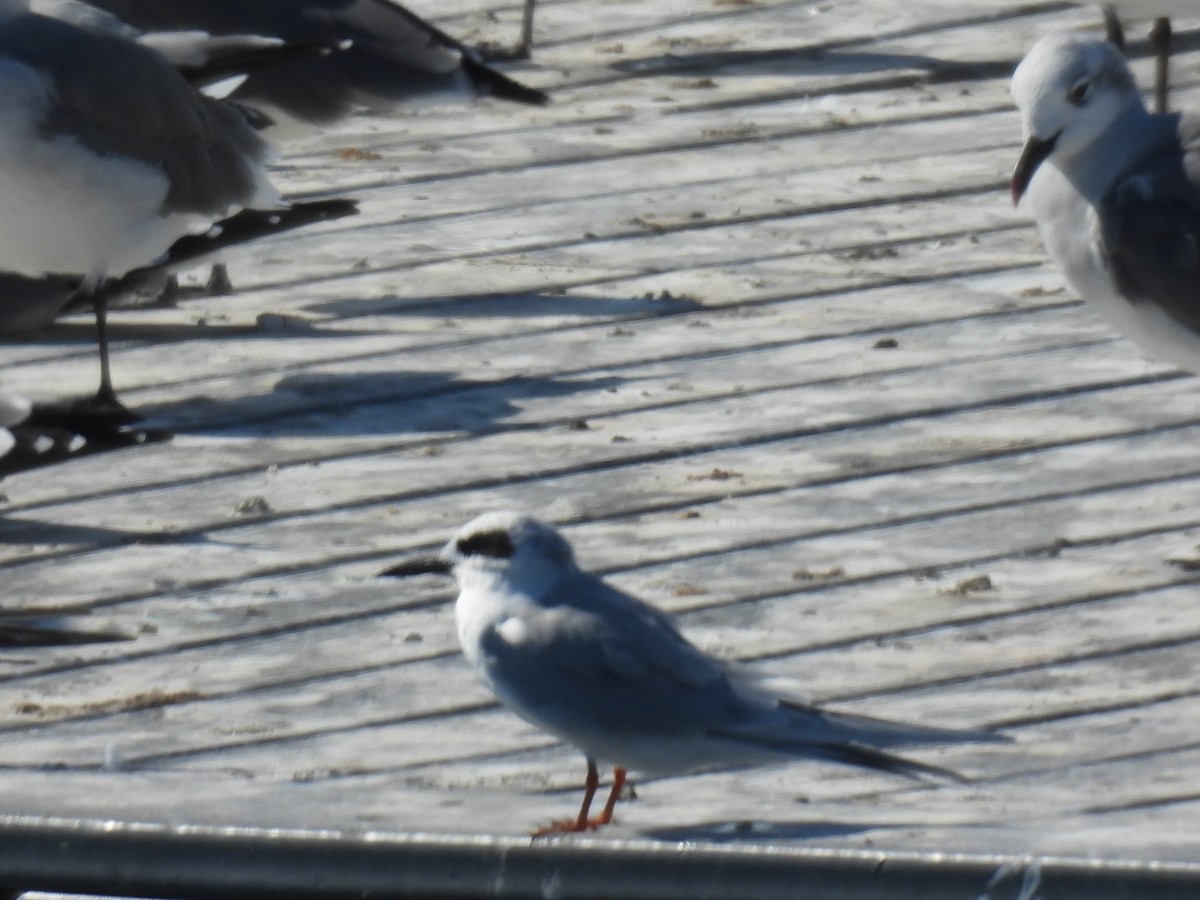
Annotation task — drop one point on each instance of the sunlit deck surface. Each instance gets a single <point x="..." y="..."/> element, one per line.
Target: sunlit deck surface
<point x="749" y="313"/>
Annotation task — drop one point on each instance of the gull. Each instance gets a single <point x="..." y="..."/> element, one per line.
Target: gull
<point x="386" y="57"/>
<point x="1114" y="190"/>
<point x="613" y="676"/>
<point x="110" y="157"/>
<point x="215" y="64"/>
<point x="394" y="57"/>
<point x="1160" y="33"/>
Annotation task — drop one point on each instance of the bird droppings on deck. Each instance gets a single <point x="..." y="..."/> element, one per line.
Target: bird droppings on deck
<point x="968" y="586"/>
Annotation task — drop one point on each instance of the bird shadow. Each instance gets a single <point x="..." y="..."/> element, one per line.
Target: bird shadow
<point x="349" y="404"/>
<point x="65" y="333"/>
<point x="781" y="61"/>
<point x="522" y="305"/>
<point x="827" y="61"/>
<point x="21" y="631"/>
<point x="750" y="830"/>
<point x="70" y="428"/>
<point x="79" y="329"/>
<point x="17" y="529"/>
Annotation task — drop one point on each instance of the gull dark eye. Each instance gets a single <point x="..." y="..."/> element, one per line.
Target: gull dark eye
<point x="1080" y="92"/>
<point x="494" y="544"/>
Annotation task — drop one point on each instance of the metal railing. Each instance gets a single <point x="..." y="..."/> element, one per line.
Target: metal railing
<point x="136" y="860"/>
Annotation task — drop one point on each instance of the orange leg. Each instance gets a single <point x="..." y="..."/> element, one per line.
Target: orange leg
<point x="589" y="791"/>
<point x="582" y="822"/>
<point x="611" y="803"/>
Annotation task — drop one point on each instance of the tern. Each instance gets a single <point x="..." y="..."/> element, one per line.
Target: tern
<point x="614" y="676"/>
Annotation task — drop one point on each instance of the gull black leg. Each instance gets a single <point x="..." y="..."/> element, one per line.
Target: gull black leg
<point x="105" y="404"/>
<point x="1160" y="40"/>
<point x="524" y="48"/>
<point x="1112" y="28"/>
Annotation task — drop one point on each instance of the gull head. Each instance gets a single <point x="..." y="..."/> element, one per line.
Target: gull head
<point x="516" y="548"/>
<point x="1069" y="89"/>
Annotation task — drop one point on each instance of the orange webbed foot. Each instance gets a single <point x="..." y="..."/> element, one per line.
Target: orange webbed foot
<point x="570" y="826"/>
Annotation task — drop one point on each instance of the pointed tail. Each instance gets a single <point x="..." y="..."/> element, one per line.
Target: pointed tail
<point x="870" y="758"/>
<point x="807" y="731"/>
<point x="886" y="733"/>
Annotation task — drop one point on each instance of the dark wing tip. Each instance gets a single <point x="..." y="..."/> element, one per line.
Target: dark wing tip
<point x="870" y="758"/>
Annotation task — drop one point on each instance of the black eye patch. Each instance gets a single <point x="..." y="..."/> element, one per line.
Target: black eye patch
<point x="496" y="544"/>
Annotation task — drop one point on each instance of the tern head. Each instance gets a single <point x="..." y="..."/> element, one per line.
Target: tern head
<point x="1069" y="89"/>
<point x="520" y="549"/>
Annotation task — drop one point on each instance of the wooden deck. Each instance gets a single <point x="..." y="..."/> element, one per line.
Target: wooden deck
<point x="748" y="311"/>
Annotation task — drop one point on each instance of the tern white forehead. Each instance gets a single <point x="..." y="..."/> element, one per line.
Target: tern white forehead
<point x="508" y="540"/>
<point x="1072" y="87"/>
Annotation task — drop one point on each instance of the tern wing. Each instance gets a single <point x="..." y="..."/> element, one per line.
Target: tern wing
<point x="601" y="660"/>
<point x="596" y="666"/>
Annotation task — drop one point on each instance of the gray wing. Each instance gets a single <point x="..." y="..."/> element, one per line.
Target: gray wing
<point x="1150" y="226"/>
<point x="394" y="55"/>
<point x="200" y="57"/>
<point x="120" y="99"/>
<point x="85" y="15"/>
<point x="603" y="661"/>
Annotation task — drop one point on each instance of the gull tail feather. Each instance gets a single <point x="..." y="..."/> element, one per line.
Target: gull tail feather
<point x="486" y="79"/>
<point x="499" y="85"/>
